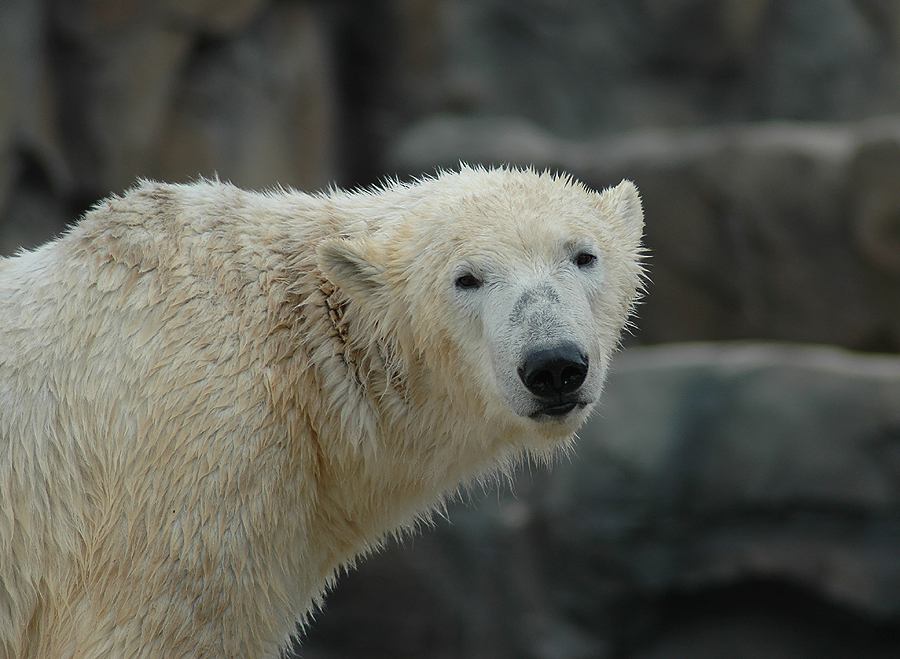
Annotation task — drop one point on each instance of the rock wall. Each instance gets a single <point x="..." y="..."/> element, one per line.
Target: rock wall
<point x="581" y="67"/>
<point x="97" y="93"/>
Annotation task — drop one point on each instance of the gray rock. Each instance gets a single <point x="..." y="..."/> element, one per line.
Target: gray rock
<point x="216" y="17"/>
<point x="118" y="68"/>
<point x="33" y="216"/>
<point x="254" y="104"/>
<point x="257" y="109"/>
<point x="28" y="103"/>
<point x="705" y="438"/>
<point x="579" y="68"/>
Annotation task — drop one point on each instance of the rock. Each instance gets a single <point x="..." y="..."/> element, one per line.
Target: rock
<point x="28" y="105"/>
<point x="257" y="109"/>
<point x="176" y="90"/>
<point x="822" y="61"/>
<point x="215" y="17"/>
<point x="419" y="55"/>
<point x="727" y="463"/>
<point x="8" y="96"/>
<point x="776" y="634"/>
<point x="876" y="221"/>
<point x="747" y="226"/>
<point x="581" y="68"/>
<point x="117" y="92"/>
<point x="104" y="21"/>
<point x="33" y="214"/>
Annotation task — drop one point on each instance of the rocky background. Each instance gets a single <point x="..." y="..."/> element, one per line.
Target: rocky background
<point x="730" y="500"/>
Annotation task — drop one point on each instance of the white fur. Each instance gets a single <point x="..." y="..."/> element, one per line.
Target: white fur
<point x="212" y="399"/>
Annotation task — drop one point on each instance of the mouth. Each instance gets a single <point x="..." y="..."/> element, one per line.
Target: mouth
<point x="556" y="410"/>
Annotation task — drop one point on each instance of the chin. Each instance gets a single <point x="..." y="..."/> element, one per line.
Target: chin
<point x="559" y="411"/>
<point x="553" y="419"/>
<point x="557" y="422"/>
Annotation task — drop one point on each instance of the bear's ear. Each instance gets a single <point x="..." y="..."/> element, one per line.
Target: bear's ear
<point x="622" y="204"/>
<point x="350" y="264"/>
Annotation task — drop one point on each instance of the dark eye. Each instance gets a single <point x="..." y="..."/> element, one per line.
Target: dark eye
<point x="584" y="259"/>
<point x="468" y="281"/>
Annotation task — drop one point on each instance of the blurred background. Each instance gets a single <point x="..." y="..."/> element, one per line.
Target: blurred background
<point x="738" y="493"/>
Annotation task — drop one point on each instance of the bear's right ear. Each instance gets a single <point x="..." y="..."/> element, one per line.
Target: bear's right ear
<point x="622" y="204"/>
<point x="350" y="264"/>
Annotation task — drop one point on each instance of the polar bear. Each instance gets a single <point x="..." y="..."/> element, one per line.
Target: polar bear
<point x="213" y="399"/>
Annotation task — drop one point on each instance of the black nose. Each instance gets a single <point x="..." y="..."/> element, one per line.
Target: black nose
<point x="554" y="371"/>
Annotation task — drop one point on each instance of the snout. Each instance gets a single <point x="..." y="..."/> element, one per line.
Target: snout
<point x="554" y="376"/>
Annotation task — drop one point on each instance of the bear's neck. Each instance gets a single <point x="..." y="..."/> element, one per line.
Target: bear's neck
<point x="382" y="483"/>
<point x="382" y="441"/>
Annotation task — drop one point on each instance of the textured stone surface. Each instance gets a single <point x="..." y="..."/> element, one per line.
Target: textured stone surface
<point x="749" y="460"/>
<point x="583" y="67"/>
<point x="95" y="94"/>
<point x="238" y="88"/>
<point x="257" y="109"/>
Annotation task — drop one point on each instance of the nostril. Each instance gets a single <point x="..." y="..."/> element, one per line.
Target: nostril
<point x="572" y="376"/>
<point x="554" y="371"/>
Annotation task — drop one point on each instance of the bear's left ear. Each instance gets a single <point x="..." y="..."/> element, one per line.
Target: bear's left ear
<point x="622" y="204"/>
<point x="351" y="264"/>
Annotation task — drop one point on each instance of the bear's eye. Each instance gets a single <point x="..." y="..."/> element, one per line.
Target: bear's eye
<point x="467" y="281"/>
<point x="584" y="259"/>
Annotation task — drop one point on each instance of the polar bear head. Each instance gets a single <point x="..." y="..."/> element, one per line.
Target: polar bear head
<point x="512" y="286"/>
